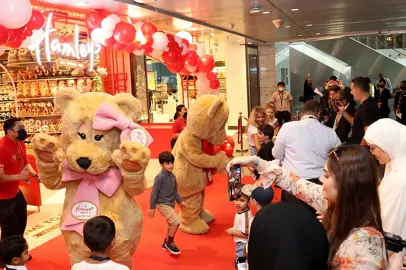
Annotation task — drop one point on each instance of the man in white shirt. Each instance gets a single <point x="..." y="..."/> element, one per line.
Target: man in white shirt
<point x="303" y="146"/>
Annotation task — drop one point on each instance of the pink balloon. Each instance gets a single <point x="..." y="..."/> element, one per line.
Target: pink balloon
<point x="124" y="32"/>
<point x="160" y="41"/>
<point x="15" y="13"/>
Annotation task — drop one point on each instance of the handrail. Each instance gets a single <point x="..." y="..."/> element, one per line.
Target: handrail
<point x="240" y="132"/>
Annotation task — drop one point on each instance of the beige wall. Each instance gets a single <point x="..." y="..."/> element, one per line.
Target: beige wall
<point x="236" y="80"/>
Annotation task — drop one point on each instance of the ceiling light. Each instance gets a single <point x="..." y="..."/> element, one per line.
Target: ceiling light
<point x="309" y="24"/>
<point x="256" y="10"/>
<point x="294" y="9"/>
<point x="300" y="35"/>
<point x="266" y="12"/>
<point x="288" y="26"/>
<point x="318" y="34"/>
<point x="239" y="41"/>
<point x="249" y="43"/>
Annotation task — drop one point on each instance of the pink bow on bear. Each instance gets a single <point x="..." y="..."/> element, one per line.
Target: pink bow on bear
<point x="108" y="117"/>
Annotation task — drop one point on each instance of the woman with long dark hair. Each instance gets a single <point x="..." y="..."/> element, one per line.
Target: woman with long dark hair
<point x="348" y="200"/>
<point x="179" y="122"/>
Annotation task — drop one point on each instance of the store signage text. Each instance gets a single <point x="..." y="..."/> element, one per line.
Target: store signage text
<point x="80" y="51"/>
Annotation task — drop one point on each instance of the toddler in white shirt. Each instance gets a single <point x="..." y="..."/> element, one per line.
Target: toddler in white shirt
<point x="99" y="233"/>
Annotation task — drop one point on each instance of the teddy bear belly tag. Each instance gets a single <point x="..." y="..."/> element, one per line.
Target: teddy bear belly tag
<point x="84" y="210"/>
<point x="138" y="135"/>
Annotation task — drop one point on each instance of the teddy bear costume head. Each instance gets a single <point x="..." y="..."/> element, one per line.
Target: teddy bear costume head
<point x="100" y="159"/>
<point x="195" y="163"/>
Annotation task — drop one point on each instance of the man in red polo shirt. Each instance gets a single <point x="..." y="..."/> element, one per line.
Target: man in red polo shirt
<point x="13" y="158"/>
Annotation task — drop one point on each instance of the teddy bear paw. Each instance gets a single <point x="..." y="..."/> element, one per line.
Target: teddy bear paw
<point x="198" y="226"/>
<point x="46" y="148"/>
<point x="206" y="216"/>
<point x="132" y="156"/>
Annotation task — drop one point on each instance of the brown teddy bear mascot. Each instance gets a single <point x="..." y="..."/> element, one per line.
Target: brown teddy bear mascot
<point x="194" y="162"/>
<point x="100" y="160"/>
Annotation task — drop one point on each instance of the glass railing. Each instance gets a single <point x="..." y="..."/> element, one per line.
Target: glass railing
<point x="381" y="42"/>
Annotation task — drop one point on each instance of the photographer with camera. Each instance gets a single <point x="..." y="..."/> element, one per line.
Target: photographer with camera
<point x="342" y="126"/>
<point x="386" y="139"/>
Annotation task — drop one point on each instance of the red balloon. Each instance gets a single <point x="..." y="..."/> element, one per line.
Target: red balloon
<point x="118" y="46"/>
<point x="206" y="63"/>
<point x="230" y="141"/>
<point x="192" y="58"/>
<point x="16" y="43"/>
<point x="211" y="76"/>
<point x="27" y="32"/>
<point x="214" y="84"/>
<point x="3" y="35"/>
<point x="148" y="28"/>
<point x="124" y="32"/>
<point x="185" y="42"/>
<point x="37" y="20"/>
<point x="110" y="42"/>
<point x="223" y="145"/>
<point x="171" y="37"/>
<point x="229" y="151"/>
<point x="193" y="47"/>
<point x="175" y="68"/>
<point x="138" y="45"/>
<point x="149" y="39"/>
<point x="148" y="49"/>
<point x="131" y="47"/>
<point x="185" y="71"/>
<point x="14" y="34"/>
<point x="93" y="20"/>
<point x="170" y="56"/>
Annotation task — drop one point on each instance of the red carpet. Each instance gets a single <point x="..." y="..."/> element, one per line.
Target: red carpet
<point x="214" y="251"/>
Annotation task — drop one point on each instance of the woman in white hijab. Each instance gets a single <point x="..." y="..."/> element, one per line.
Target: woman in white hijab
<point x="387" y="141"/>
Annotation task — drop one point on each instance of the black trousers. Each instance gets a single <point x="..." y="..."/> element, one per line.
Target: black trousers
<point x="289" y="198"/>
<point x="13" y="216"/>
<point x="283" y="117"/>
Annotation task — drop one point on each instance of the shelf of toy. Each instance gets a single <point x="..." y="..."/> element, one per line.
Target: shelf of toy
<point x="24" y="64"/>
<point x="23" y="99"/>
<point x="55" y="79"/>
<point x="40" y="116"/>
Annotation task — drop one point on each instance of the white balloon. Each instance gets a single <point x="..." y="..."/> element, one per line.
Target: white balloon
<point x="201" y="51"/>
<point x="160" y="41"/>
<point x="115" y="18"/>
<point x="139" y="52"/>
<point x="15" y="13"/>
<point x="108" y="24"/>
<point x="38" y="35"/>
<point x="179" y="41"/>
<point x="185" y="35"/>
<point x="97" y="35"/>
<point x="107" y="34"/>
<point x="26" y="43"/>
<point x="156" y="53"/>
<point x="2" y="49"/>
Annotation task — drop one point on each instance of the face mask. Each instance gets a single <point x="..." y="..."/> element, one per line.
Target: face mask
<point x="185" y="115"/>
<point x="403" y="88"/>
<point x="22" y="135"/>
<point x="382" y="86"/>
<point x="281" y="89"/>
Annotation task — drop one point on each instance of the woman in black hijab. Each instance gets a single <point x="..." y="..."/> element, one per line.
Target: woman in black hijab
<point x="289" y="237"/>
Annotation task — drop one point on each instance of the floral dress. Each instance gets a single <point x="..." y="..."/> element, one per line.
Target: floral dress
<point x="363" y="249"/>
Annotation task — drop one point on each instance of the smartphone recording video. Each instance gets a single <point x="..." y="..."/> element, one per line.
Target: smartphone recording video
<point x="234" y="183"/>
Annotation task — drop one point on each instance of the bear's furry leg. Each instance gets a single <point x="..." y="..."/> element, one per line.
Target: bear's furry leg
<point x="205" y="215"/>
<point x="77" y="249"/>
<point x="190" y="216"/>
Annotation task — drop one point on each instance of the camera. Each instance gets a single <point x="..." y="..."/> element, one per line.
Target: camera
<point x="394" y="242"/>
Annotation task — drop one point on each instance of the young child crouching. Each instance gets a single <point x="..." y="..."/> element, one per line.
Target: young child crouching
<point x="14" y="253"/>
<point x="99" y="233"/>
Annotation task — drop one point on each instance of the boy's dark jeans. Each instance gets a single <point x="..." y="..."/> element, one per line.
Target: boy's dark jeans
<point x="13" y="216"/>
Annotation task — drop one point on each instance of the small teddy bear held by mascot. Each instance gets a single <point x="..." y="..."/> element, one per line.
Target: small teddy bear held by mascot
<point x="195" y="159"/>
<point x="100" y="160"/>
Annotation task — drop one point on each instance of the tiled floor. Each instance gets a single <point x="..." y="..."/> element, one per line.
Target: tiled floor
<point x="43" y="225"/>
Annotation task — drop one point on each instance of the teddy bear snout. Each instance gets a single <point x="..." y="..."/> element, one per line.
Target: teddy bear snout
<point x="84" y="162"/>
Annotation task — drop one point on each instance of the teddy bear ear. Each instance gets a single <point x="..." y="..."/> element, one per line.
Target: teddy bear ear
<point x="63" y="98"/>
<point x="215" y="106"/>
<point x="129" y="105"/>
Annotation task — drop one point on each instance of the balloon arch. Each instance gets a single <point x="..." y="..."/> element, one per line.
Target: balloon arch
<point x="22" y="28"/>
